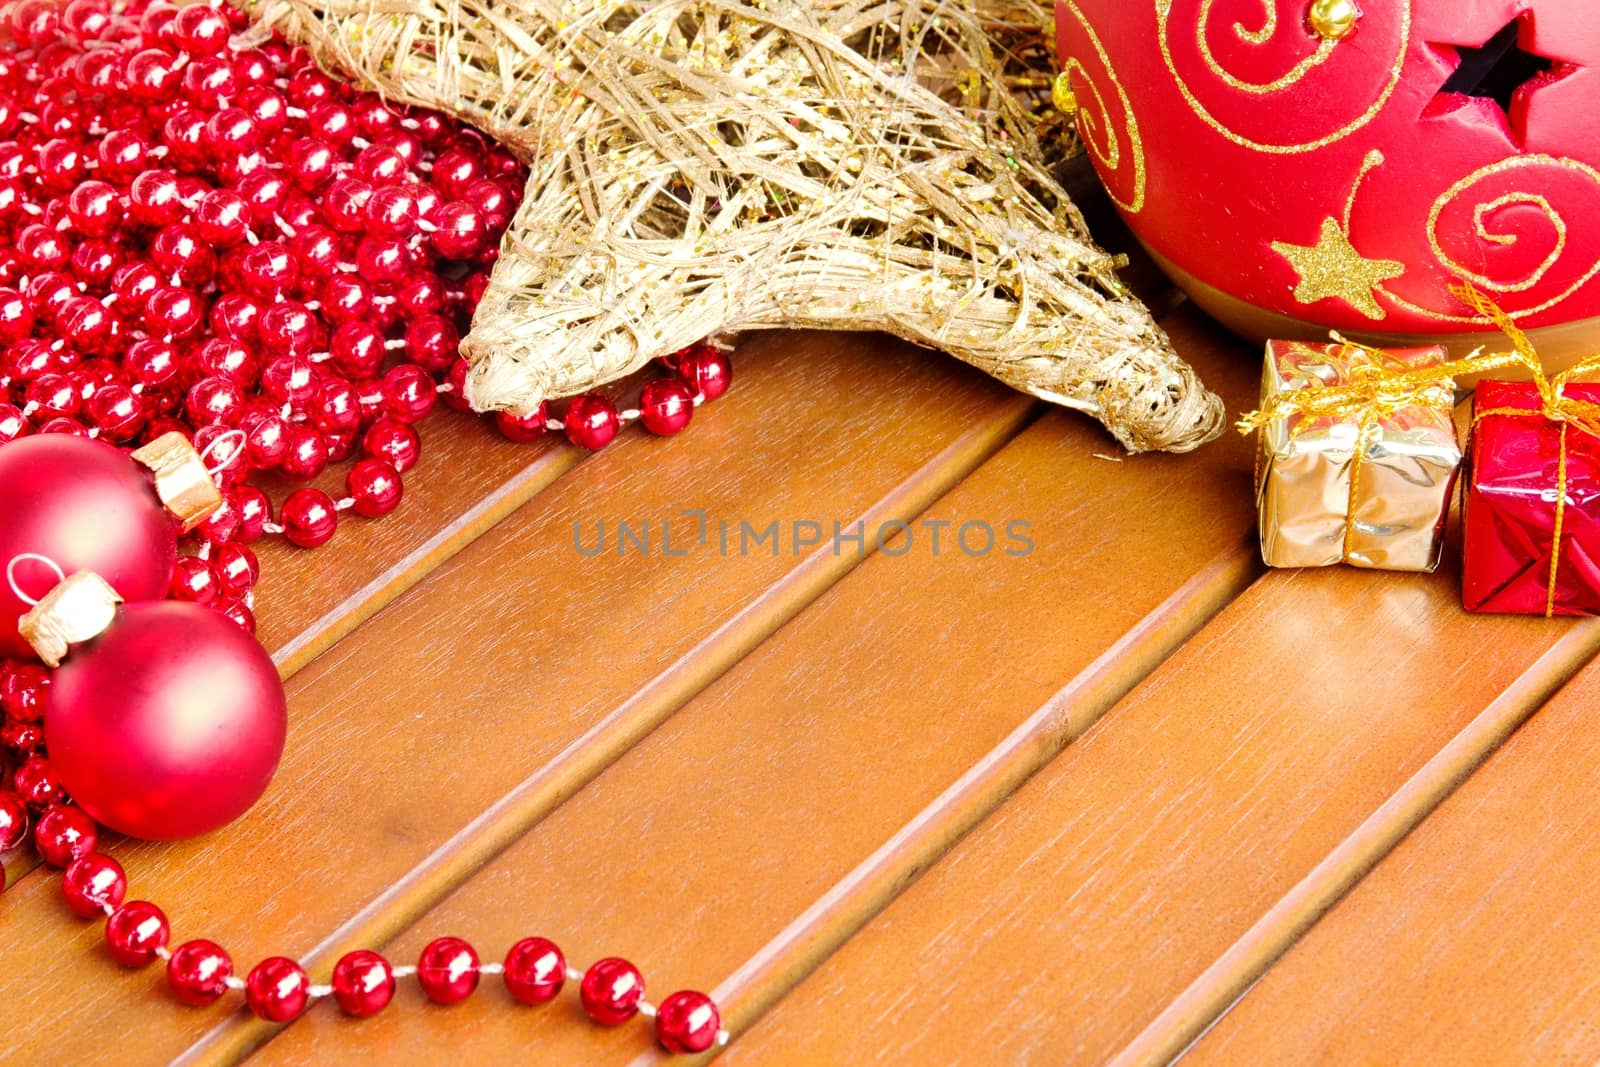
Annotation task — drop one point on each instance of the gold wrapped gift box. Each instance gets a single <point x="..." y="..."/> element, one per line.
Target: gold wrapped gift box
<point x="1357" y="457"/>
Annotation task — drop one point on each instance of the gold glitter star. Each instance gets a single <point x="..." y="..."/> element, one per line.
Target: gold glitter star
<point x="1333" y="268"/>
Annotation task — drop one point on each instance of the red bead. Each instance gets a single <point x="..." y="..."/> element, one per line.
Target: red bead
<point x="306" y="455"/>
<point x="193" y="581"/>
<point x="448" y="970"/>
<point x="235" y="612"/>
<point x="707" y="370"/>
<point x="535" y="970"/>
<point x="357" y="348"/>
<point x="65" y="834"/>
<point x="408" y="393"/>
<point x="374" y="486"/>
<point x="13" y="820"/>
<point x="117" y="412"/>
<point x="37" y="784"/>
<point x="433" y="341"/>
<point x="25" y="692"/>
<point x="687" y="1022"/>
<point x="22" y="738"/>
<point x="591" y="421"/>
<point x="254" y="511"/>
<point x="198" y="972"/>
<point x="393" y="442"/>
<point x="135" y="931"/>
<point x="460" y="230"/>
<point x="288" y="328"/>
<point x="523" y="428"/>
<point x="200" y="30"/>
<point x="336" y="407"/>
<point x="455" y="397"/>
<point x="213" y="400"/>
<point x="268" y="270"/>
<point x="309" y="518"/>
<point x="666" y="405"/>
<point x="236" y="569"/>
<point x="363" y="983"/>
<point x="93" y="883"/>
<point x="611" y="991"/>
<point x="222" y="217"/>
<point x="277" y="989"/>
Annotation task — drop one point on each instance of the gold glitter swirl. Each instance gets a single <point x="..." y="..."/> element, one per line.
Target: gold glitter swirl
<point x="1100" y="135"/>
<point x="1291" y="80"/>
<point x="1255" y="37"/>
<point x="1482" y="217"/>
<point x="1268" y="27"/>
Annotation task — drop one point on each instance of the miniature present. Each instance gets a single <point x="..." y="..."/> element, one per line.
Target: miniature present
<point x="1531" y="512"/>
<point x="1357" y="454"/>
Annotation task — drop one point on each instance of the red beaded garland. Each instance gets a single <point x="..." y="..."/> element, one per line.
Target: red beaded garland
<point x="448" y="970"/>
<point x="277" y="989"/>
<point x="252" y="245"/>
<point x="136" y="932"/>
<point x="198" y="972"/>
<point x="611" y="990"/>
<point x="535" y="970"/>
<point x="363" y="983"/>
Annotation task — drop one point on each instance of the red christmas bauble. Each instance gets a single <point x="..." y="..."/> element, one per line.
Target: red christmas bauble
<point x="1304" y="164"/>
<point x="169" y="724"/>
<point x="86" y="506"/>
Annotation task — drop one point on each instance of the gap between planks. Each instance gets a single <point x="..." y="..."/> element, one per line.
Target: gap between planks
<point x="510" y="817"/>
<point x="1227" y="980"/>
<point x="861" y="895"/>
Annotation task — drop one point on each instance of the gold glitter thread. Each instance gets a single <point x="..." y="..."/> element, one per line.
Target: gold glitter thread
<point x="1258" y="37"/>
<point x="184" y="485"/>
<point x="1269" y="25"/>
<point x="1333" y="19"/>
<point x="1333" y="268"/>
<point x="1163" y="13"/>
<point x="1110" y="158"/>
<point x="77" y="609"/>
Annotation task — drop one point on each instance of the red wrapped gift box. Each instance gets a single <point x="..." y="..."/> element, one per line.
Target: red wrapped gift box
<point x="1515" y="464"/>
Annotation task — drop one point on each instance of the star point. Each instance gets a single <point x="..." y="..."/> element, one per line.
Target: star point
<point x="1333" y="269"/>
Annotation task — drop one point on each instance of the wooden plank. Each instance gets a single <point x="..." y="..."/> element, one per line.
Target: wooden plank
<point x="514" y="672"/>
<point x="784" y="806"/>
<point x="1060" y="929"/>
<point x="1475" y="941"/>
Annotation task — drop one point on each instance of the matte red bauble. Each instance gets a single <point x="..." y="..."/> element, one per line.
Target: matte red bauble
<point x="169" y="724"/>
<point x="86" y="506"/>
<point x="1304" y="164"/>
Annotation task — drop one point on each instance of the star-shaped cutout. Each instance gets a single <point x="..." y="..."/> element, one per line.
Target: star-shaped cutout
<point x="1332" y="268"/>
<point x="1503" y="70"/>
<point x="700" y="169"/>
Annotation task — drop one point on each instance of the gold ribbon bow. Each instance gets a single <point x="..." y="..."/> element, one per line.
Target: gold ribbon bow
<point x="1554" y="405"/>
<point x="1374" y="391"/>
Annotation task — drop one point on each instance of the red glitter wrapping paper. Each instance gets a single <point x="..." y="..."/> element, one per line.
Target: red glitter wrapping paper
<point x="1511" y="505"/>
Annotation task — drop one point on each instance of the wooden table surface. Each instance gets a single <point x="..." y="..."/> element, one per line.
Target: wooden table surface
<point x="1121" y="798"/>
